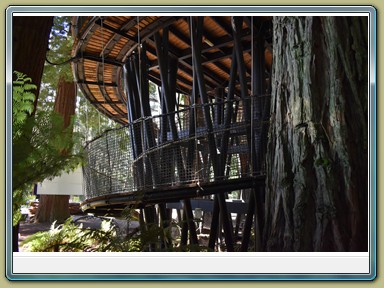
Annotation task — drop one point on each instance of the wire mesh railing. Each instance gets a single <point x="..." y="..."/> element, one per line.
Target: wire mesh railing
<point x="179" y="148"/>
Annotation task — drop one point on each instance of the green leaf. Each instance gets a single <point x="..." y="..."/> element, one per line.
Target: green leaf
<point x="30" y="87"/>
<point x="325" y="162"/>
<point x="37" y="143"/>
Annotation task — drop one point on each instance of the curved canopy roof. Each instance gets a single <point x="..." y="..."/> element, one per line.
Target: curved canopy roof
<point x="103" y="44"/>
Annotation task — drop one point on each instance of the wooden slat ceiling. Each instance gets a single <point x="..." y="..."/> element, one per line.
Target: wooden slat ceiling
<point x="103" y="44"/>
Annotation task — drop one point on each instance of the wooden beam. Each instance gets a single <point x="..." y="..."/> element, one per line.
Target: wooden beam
<point x="100" y="23"/>
<point x="98" y="59"/>
<point x="104" y="102"/>
<point x="219" y="21"/>
<point x="179" y="35"/>
<point x="214" y="80"/>
<point x="98" y="83"/>
<point x="100" y="79"/>
<point x="152" y="28"/>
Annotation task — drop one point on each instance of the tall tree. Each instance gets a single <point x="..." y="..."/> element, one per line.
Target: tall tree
<point x="317" y="171"/>
<point x="56" y="207"/>
<point x="29" y="46"/>
<point x="61" y="95"/>
<point x="58" y="85"/>
<point x="37" y="141"/>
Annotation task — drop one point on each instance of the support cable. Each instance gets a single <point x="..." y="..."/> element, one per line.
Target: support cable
<point x="86" y="120"/>
<point x="62" y="63"/>
<point x="102" y="61"/>
<point x="253" y="89"/>
<point x="194" y="84"/>
<point x="142" y="122"/>
<point x="139" y="51"/>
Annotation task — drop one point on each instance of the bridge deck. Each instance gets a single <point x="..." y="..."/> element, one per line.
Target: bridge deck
<point x="170" y="194"/>
<point x="217" y="144"/>
<point x="122" y="165"/>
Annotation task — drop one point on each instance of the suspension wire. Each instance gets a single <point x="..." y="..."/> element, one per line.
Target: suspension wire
<point x="66" y="61"/>
<point x="102" y="60"/>
<point x="256" y="224"/>
<point x="99" y="121"/>
<point x="102" y="47"/>
<point x="194" y="98"/>
<point x="86" y="120"/>
<point x="179" y="120"/>
<point x="86" y="100"/>
<point x="253" y="88"/>
<point x="139" y="58"/>
<point x="62" y="63"/>
<point x="143" y="139"/>
<point x="139" y="51"/>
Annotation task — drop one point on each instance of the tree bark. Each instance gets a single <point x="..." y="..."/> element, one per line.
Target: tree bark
<point x="56" y="207"/>
<point x="29" y="46"/>
<point x="317" y="156"/>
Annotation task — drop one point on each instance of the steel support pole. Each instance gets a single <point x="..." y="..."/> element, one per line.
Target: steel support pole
<point x="196" y="28"/>
<point x="191" y="132"/>
<point x="150" y="217"/>
<point x="258" y="78"/>
<point x="228" y="115"/>
<point x="238" y="21"/>
<point x="133" y="114"/>
<point x="146" y="113"/>
<point x="191" y="223"/>
<point x="168" y="74"/>
<point x="167" y="86"/>
<point x="139" y="125"/>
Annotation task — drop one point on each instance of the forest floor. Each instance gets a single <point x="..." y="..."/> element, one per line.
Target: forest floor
<point x="27" y="229"/>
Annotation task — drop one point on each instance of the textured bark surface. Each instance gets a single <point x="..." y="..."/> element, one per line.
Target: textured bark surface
<point x="56" y="207"/>
<point x="29" y="46"/>
<point x="317" y="169"/>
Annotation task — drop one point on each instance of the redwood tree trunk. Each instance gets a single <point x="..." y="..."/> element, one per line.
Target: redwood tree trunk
<point x="29" y="46"/>
<point x="56" y="207"/>
<point x="317" y="169"/>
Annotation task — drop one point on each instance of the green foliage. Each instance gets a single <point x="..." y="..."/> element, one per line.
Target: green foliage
<point x="324" y="162"/>
<point x="73" y="237"/>
<point x="22" y="100"/>
<point x="89" y="122"/>
<point x="69" y="237"/>
<point x="42" y="147"/>
<point x="191" y="248"/>
<point x="60" y="47"/>
<point x="38" y="149"/>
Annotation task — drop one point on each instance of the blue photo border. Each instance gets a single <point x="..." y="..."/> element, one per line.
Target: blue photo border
<point x="197" y="9"/>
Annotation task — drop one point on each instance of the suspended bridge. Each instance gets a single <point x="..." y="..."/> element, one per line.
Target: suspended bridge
<point x="209" y="136"/>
